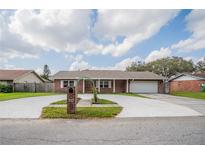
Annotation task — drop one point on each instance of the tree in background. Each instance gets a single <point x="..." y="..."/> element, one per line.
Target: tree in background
<point x="200" y="66"/>
<point x="166" y="67"/>
<point x="46" y="72"/>
<point x="136" y="66"/>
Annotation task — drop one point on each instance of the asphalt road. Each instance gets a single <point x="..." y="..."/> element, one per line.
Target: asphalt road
<point x="178" y="130"/>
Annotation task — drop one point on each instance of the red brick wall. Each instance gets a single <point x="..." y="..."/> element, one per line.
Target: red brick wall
<point x="57" y="86"/>
<point x="187" y="85"/>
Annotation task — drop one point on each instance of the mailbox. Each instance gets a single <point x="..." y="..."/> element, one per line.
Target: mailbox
<point x="71" y="100"/>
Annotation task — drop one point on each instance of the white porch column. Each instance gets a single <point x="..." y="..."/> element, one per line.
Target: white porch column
<point x="83" y="86"/>
<point x="99" y="85"/>
<point x="113" y="85"/>
<point x="127" y="87"/>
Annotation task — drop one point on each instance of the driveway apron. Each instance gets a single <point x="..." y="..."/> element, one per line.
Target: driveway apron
<point x="30" y="107"/>
<point x="195" y="104"/>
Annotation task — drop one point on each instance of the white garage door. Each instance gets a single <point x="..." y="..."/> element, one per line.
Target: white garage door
<point x="144" y="87"/>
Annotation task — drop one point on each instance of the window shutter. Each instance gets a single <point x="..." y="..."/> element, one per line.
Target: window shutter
<point x="61" y="84"/>
<point x="99" y="84"/>
<point x="109" y="84"/>
<point x="96" y="84"/>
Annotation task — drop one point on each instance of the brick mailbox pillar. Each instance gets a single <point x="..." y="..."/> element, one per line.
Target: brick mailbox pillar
<point x="71" y="100"/>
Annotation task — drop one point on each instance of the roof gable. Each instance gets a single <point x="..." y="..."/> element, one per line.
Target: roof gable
<point x="15" y="74"/>
<point x="186" y="76"/>
<point x="12" y="74"/>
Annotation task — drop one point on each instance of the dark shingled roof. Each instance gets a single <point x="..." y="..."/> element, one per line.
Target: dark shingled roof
<point x="106" y="74"/>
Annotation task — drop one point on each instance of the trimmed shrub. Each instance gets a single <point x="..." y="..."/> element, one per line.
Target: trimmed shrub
<point x="6" y="88"/>
<point x="203" y="87"/>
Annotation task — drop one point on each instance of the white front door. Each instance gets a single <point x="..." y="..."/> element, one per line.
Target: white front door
<point x="144" y="87"/>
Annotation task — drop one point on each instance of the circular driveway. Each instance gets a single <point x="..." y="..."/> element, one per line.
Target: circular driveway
<point x="132" y="106"/>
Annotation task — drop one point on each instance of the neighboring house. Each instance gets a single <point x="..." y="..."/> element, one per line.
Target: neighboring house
<point x="187" y="82"/>
<point x="109" y="81"/>
<point x="19" y="76"/>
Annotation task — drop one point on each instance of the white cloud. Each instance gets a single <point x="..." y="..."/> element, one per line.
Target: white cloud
<point x="158" y="54"/>
<point x="28" y="33"/>
<point x="70" y="30"/>
<point x="126" y="62"/>
<point x="74" y="58"/>
<point x="195" y="24"/>
<point x="61" y="30"/>
<point x="11" y="67"/>
<point x="81" y="64"/>
<point x="134" y="25"/>
<point x="12" y="46"/>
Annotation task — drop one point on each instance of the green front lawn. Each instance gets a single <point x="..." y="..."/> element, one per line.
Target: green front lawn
<point x="15" y="95"/>
<point x="59" y="102"/>
<point x="81" y="113"/>
<point x="100" y="101"/>
<point x="198" y="95"/>
<point x="63" y="102"/>
<point x="103" y="101"/>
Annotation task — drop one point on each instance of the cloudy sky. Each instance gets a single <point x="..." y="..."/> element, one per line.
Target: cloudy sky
<point x="97" y="39"/>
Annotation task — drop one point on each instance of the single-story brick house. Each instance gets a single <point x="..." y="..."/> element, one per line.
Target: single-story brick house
<point x="19" y="76"/>
<point x="187" y="82"/>
<point x="109" y="81"/>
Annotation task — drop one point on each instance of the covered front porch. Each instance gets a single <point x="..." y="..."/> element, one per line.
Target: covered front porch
<point x="103" y="85"/>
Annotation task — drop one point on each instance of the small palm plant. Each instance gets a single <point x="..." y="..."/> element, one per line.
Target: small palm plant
<point x="95" y="97"/>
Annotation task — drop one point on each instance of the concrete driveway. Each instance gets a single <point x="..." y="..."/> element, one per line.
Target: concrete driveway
<point x="143" y="107"/>
<point x="195" y="104"/>
<point x="30" y="107"/>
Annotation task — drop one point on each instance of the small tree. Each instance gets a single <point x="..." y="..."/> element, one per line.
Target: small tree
<point x="46" y="72"/>
<point x="95" y="97"/>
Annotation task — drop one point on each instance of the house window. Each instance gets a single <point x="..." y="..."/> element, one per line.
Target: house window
<point x="104" y="84"/>
<point x="68" y="83"/>
<point x="71" y="83"/>
<point x="65" y="84"/>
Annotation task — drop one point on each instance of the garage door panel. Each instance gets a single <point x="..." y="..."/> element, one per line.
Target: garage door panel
<point x="144" y="86"/>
